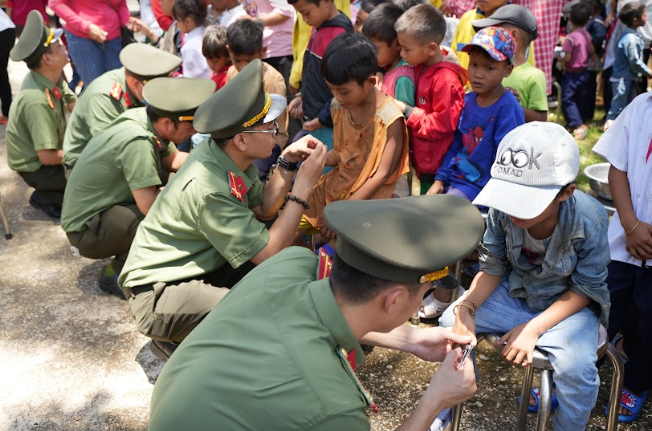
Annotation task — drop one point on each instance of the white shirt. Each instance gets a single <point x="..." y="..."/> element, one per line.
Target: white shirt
<point x="5" y="21"/>
<point x="194" y="63"/>
<point x="627" y="145"/>
<point x="228" y="17"/>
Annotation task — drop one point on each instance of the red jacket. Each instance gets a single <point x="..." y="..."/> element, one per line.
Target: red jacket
<point x="437" y="111"/>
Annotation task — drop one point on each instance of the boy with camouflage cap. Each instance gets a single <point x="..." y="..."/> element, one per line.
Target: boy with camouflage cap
<point x="37" y="118"/>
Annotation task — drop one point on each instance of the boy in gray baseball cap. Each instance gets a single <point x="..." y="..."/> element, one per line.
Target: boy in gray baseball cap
<point x="543" y="265"/>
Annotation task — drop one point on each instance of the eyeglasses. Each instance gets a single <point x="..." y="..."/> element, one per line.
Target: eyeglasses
<point x="273" y="130"/>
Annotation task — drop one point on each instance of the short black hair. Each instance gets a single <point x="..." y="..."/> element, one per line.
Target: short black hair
<point x="370" y="5"/>
<point x="631" y="11"/>
<point x="154" y="117"/>
<point x="195" y="9"/>
<point x="214" y="42"/>
<point x="245" y="37"/>
<point x="380" y="23"/>
<point x="580" y="14"/>
<point x="474" y="49"/>
<point x="349" y="57"/>
<point x="406" y="5"/>
<point x="424" y="23"/>
<point x="357" y="287"/>
<point x="315" y="2"/>
<point x="36" y="63"/>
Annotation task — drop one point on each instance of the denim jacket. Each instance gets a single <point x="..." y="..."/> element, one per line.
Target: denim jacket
<point x="576" y="258"/>
<point x="629" y="56"/>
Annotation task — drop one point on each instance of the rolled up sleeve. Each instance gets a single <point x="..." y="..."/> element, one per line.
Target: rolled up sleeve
<point x="493" y="249"/>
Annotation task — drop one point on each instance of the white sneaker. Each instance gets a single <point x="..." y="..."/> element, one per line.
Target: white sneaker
<point x="431" y="308"/>
<point x="442" y="420"/>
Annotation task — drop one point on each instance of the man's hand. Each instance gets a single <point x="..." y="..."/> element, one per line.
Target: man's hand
<point x="436" y="188"/>
<point x="514" y="91"/>
<point x="295" y="108"/>
<point x="639" y="242"/>
<point x="301" y="149"/>
<point x="311" y="169"/>
<point x="451" y="386"/>
<point x="97" y="34"/>
<point x="312" y="125"/>
<point x="433" y="344"/>
<point x="519" y="345"/>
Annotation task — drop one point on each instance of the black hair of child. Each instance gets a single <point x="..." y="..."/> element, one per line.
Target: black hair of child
<point x="194" y="9"/>
<point x="214" y="43"/>
<point x="349" y="57"/>
<point x="580" y="14"/>
<point x="380" y="23"/>
<point x="631" y="11"/>
<point x="245" y="37"/>
<point x="474" y="49"/>
<point x="370" y="5"/>
<point x="597" y="7"/>
<point x="315" y="2"/>
<point x="405" y="5"/>
<point x="423" y="22"/>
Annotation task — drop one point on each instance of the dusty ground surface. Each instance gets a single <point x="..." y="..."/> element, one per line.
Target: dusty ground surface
<point x="71" y="359"/>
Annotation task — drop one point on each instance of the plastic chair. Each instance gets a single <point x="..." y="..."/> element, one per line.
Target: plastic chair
<point x="5" y="221"/>
<point x="542" y="363"/>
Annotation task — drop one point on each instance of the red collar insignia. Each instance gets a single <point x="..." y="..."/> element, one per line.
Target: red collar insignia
<point x="127" y="99"/>
<point x="116" y="91"/>
<point x="238" y="188"/>
<point x="57" y="93"/>
<point x="159" y="146"/>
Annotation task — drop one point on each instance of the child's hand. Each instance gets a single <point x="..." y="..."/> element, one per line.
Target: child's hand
<point x="436" y="188"/>
<point x="295" y="108"/>
<point x="519" y="345"/>
<point x="401" y="105"/>
<point x="324" y="230"/>
<point x="514" y="91"/>
<point x="312" y="125"/>
<point x="465" y="325"/>
<point x="311" y="170"/>
<point x="379" y="81"/>
<point x="639" y="242"/>
<point x="301" y="149"/>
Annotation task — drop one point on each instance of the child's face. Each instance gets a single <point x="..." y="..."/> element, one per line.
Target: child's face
<point x="352" y="94"/>
<point x="186" y="25"/>
<point x="490" y="6"/>
<point x="387" y="54"/>
<point x="640" y="22"/>
<point x="314" y="15"/>
<point x="241" y="60"/>
<point x="413" y="51"/>
<point x="360" y="19"/>
<point x="485" y="74"/>
<point x="217" y="64"/>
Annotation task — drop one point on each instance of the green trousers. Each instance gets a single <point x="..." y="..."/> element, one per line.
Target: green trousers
<point x="109" y="233"/>
<point x="49" y="183"/>
<point x="170" y="311"/>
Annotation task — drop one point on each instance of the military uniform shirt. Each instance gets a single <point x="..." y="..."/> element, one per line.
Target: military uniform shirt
<point x="102" y="101"/>
<point x="197" y="224"/>
<point x="37" y="121"/>
<point x="275" y="369"/>
<point x="126" y="156"/>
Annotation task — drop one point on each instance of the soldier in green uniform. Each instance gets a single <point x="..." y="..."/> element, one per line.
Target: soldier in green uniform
<point x="37" y="120"/>
<point x="117" y="179"/>
<point x="285" y="365"/>
<point x="112" y="94"/>
<point x="206" y="229"/>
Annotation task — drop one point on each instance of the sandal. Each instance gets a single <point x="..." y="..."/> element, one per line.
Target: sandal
<point x="632" y="403"/>
<point x="431" y="308"/>
<point x="554" y="403"/>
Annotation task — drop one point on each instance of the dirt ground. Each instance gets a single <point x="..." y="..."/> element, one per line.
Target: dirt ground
<point x="71" y="359"/>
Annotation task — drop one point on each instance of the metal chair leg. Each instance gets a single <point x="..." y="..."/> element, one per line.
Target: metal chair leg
<point x="525" y="398"/>
<point x="5" y="221"/>
<point x="457" y="417"/>
<point x="616" y="386"/>
<point x="545" y="400"/>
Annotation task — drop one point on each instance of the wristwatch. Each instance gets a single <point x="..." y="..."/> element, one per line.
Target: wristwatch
<point x="287" y="165"/>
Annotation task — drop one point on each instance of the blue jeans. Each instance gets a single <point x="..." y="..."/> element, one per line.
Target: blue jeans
<point x="571" y="346"/>
<point x="624" y="91"/>
<point x="574" y="89"/>
<point x="93" y="59"/>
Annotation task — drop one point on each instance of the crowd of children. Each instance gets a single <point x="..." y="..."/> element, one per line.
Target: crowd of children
<point x="402" y="114"/>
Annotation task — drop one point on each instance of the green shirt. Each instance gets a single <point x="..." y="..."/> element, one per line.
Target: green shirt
<point x="530" y="83"/>
<point x="275" y="369"/>
<point x="37" y="121"/>
<point x="404" y="90"/>
<point x="102" y="101"/>
<point x="196" y="224"/>
<point x="126" y="156"/>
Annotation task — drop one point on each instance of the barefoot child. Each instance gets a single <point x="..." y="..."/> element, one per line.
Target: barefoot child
<point x="370" y="137"/>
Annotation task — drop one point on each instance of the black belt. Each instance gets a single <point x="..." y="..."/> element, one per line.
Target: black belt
<point x="133" y="291"/>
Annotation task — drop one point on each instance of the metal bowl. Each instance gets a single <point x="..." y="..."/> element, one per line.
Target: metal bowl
<point x="598" y="175"/>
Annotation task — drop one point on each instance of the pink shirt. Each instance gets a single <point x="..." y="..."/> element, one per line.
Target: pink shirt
<point x="109" y="15"/>
<point x="281" y="44"/>
<point x="578" y="45"/>
<point x="21" y="8"/>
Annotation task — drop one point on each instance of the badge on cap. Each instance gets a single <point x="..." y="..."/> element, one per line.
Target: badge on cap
<point x="434" y="276"/>
<point x="238" y="188"/>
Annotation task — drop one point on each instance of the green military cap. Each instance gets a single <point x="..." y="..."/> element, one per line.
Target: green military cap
<point x="148" y="62"/>
<point x="34" y="40"/>
<point x="177" y="98"/>
<point x="407" y="240"/>
<point x="240" y="104"/>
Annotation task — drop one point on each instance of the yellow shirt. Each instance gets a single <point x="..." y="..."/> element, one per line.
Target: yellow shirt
<point x="464" y="34"/>
<point x="300" y="38"/>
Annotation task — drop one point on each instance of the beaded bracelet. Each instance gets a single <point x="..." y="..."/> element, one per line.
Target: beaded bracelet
<point x="634" y="228"/>
<point x="297" y="200"/>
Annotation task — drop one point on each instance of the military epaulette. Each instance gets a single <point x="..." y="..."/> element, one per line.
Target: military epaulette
<point x="49" y="97"/>
<point x="238" y="188"/>
<point x="116" y="91"/>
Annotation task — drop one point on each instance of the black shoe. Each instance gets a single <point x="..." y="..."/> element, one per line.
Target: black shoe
<point x="109" y="284"/>
<point x="53" y="211"/>
<point x="449" y="282"/>
<point x="163" y="349"/>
